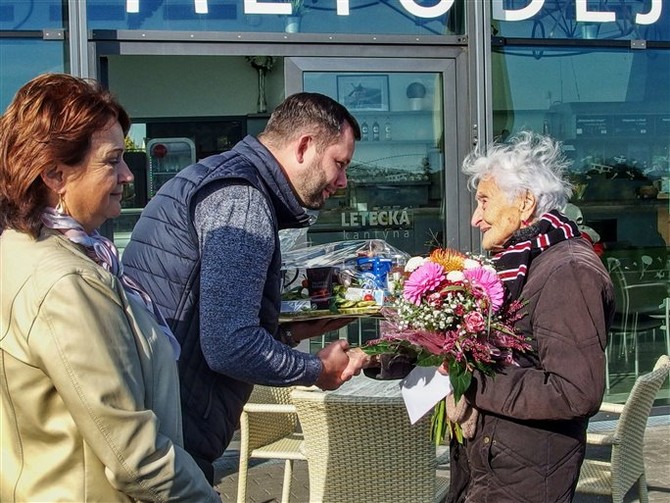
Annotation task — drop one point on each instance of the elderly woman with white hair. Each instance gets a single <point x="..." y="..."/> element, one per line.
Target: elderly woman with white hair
<point x="529" y="438"/>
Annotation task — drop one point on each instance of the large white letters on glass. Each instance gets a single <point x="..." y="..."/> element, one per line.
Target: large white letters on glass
<point x="441" y="8"/>
<point x="516" y="15"/>
<point x="132" y="6"/>
<point x="653" y="15"/>
<point x="254" y="7"/>
<point x="583" y="14"/>
<point x="201" y="7"/>
<point x="342" y="7"/>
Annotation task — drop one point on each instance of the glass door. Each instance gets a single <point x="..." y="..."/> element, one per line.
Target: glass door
<point x="403" y="181"/>
<point x="397" y="180"/>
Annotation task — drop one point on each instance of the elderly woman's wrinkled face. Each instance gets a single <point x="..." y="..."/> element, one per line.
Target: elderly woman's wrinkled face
<point x="94" y="189"/>
<point x="496" y="217"/>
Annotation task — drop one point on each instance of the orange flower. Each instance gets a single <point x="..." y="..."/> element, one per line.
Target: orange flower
<point x="448" y="258"/>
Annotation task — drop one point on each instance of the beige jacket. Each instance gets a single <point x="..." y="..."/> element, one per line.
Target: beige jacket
<point x="89" y="407"/>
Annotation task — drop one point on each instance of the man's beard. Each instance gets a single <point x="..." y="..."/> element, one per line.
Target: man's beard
<point x="314" y="187"/>
<point x="316" y="202"/>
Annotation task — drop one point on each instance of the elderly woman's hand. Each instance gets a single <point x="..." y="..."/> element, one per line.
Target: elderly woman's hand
<point x="358" y="360"/>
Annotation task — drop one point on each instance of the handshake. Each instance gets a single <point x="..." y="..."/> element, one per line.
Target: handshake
<point x="383" y="367"/>
<point x="340" y="362"/>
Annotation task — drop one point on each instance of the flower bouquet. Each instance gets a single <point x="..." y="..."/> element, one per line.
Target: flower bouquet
<point x="451" y="310"/>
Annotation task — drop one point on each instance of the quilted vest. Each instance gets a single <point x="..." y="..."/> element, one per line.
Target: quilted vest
<point x="163" y="256"/>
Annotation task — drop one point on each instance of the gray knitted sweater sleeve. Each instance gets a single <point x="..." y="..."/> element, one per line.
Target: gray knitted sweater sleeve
<point x="236" y="239"/>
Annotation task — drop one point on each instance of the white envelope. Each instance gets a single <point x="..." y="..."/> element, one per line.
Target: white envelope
<point x="422" y="389"/>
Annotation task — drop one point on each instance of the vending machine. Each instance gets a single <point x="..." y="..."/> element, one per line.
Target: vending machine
<point x="166" y="157"/>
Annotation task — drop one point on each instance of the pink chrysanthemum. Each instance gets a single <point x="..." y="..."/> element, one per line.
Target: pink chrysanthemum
<point x="424" y="279"/>
<point x="488" y="281"/>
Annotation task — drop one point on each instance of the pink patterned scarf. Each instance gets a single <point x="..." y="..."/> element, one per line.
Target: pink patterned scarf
<point x="104" y="253"/>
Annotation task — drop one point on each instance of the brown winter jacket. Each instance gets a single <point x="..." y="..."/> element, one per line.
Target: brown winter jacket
<point x="530" y="438"/>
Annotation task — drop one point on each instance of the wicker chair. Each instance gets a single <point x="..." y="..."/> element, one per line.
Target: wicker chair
<point x="362" y="448"/>
<point x="268" y="431"/>
<point x="637" y="303"/>
<point x="626" y="467"/>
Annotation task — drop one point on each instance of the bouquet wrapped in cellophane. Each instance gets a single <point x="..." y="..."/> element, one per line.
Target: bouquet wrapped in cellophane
<point x="451" y="311"/>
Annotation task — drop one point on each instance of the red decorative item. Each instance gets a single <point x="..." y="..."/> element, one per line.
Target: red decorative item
<point x="159" y="150"/>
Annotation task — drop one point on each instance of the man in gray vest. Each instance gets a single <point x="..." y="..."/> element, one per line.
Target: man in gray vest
<point x="207" y="249"/>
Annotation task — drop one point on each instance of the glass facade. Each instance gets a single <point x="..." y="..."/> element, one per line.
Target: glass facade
<point x="32" y="14"/>
<point x="32" y="41"/>
<point x="306" y="16"/>
<point x="43" y="55"/>
<point x="396" y="179"/>
<point x="601" y="89"/>
<point x="593" y="74"/>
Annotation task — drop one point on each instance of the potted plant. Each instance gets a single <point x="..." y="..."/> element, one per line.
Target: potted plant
<point x="298" y="8"/>
<point x="262" y="65"/>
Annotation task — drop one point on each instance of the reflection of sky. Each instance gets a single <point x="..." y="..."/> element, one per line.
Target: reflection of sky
<point x="557" y="20"/>
<point x="575" y="76"/>
<point x="43" y="56"/>
<point x="539" y="79"/>
<point x="138" y="133"/>
<point x="31" y="14"/>
<point x="381" y="17"/>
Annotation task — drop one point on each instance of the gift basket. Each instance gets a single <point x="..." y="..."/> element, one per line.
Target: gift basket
<point x="342" y="278"/>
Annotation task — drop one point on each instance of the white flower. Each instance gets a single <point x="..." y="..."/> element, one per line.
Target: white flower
<point x="489" y="268"/>
<point x="455" y="276"/>
<point x="469" y="263"/>
<point x="414" y="263"/>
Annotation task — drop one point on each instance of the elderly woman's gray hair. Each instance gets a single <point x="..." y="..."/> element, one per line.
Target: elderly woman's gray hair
<point x="527" y="161"/>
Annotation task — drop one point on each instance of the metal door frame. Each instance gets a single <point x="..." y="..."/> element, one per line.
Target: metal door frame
<point x="455" y="120"/>
<point x="461" y="112"/>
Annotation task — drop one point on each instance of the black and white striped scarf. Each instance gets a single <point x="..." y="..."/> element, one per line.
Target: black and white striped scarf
<point x="522" y="248"/>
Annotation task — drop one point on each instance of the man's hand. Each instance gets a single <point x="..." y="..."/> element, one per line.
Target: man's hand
<point x="335" y="362"/>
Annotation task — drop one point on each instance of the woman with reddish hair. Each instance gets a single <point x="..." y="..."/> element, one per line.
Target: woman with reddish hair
<point x="89" y="401"/>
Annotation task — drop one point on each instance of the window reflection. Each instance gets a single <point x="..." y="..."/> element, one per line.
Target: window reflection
<point x="31" y="14"/>
<point x="43" y="55"/>
<point x="615" y="130"/>
<point x="611" y="111"/>
<point x="395" y="181"/>
<point x="557" y="19"/>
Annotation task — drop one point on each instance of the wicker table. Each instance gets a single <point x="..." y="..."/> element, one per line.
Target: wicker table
<point x="360" y="445"/>
<point x="361" y="385"/>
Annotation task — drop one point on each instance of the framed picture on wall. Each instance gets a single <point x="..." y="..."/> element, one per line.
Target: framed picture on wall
<point x="363" y="92"/>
